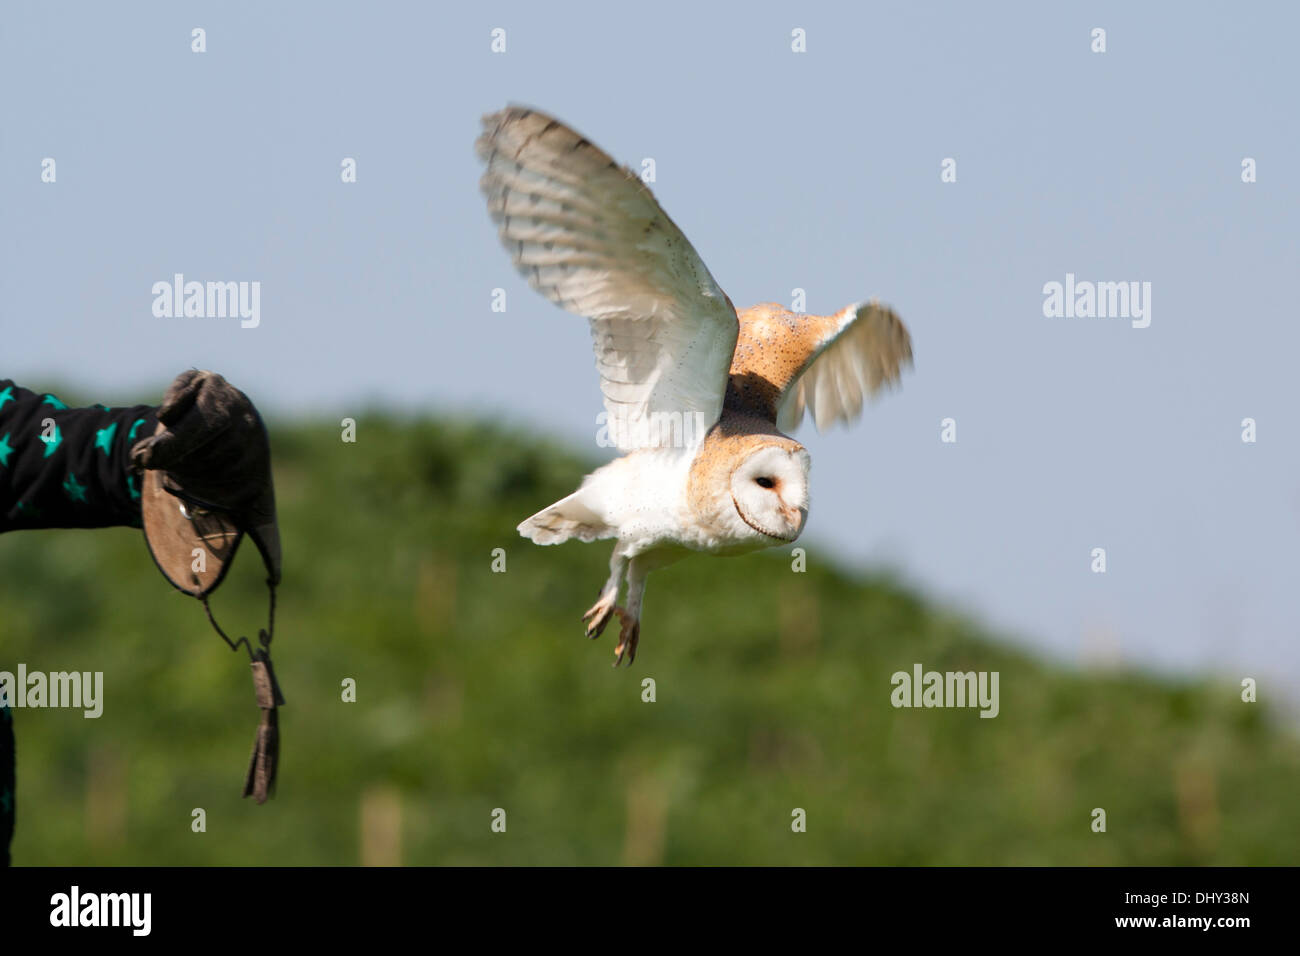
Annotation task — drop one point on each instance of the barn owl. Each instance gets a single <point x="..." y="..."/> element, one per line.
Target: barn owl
<point x="696" y="396"/>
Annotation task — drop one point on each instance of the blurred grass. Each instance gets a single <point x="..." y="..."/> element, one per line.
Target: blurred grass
<point x="476" y="691"/>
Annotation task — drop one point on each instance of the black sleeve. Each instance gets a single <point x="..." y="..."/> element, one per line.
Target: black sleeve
<point x="66" y="467"/>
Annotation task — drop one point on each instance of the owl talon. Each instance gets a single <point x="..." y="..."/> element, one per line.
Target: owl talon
<point x="599" y="616"/>
<point x="629" y="636"/>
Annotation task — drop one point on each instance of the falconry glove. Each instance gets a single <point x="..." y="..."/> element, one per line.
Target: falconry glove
<point x="207" y="483"/>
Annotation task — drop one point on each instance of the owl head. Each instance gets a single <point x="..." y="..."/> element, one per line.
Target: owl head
<point x="769" y="488"/>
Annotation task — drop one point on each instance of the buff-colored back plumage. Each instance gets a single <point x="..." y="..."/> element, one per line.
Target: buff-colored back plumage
<point x="786" y="362"/>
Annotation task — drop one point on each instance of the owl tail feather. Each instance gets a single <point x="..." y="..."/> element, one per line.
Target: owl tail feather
<point x="569" y="517"/>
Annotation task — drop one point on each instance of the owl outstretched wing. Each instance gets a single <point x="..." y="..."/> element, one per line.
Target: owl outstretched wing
<point x="787" y="362"/>
<point x="853" y="354"/>
<point x="589" y="235"/>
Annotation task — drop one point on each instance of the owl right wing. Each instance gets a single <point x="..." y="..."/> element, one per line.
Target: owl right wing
<point x="843" y="359"/>
<point x="589" y="236"/>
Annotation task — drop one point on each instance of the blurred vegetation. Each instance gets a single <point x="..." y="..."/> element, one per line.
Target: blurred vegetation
<point x="476" y="691"/>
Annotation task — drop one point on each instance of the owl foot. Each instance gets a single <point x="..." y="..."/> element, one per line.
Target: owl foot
<point x="629" y="635"/>
<point x="599" y="615"/>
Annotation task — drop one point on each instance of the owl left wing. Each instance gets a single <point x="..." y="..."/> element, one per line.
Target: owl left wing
<point x="589" y="235"/>
<point x="851" y="355"/>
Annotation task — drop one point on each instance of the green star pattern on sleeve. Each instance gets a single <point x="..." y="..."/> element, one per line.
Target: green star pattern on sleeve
<point x="104" y="438"/>
<point x="130" y="437"/>
<point x="7" y="801"/>
<point x="74" y="490"/>
<point x="131" y="488"/>
<point x="6" y="450"/>
<point x="51" y="400"/>
<point x="52" y="441"/>
<point x="7" y="396"/>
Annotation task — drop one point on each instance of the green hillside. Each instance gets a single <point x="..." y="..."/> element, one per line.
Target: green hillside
<point x="476" y="690"/>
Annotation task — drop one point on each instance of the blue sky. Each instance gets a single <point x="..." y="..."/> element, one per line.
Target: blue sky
<point x="818" y="171"/>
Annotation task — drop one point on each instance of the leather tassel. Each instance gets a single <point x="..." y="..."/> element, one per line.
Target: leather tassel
<point x="260" y="780"/>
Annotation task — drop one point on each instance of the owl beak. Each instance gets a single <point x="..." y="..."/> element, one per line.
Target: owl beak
<point x="795" y="518"/>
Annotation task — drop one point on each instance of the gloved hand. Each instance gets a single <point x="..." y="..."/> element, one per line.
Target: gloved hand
<point x="211" y="452"/>
<point x="214" y="451"/>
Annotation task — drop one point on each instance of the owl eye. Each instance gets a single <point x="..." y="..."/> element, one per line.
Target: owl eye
<point x="765" y="482"/>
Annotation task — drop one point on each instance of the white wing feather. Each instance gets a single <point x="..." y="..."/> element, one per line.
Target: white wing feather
<point x="589" y="235"/>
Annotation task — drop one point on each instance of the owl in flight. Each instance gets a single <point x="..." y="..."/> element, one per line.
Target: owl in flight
<point x="697" y="397"/>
